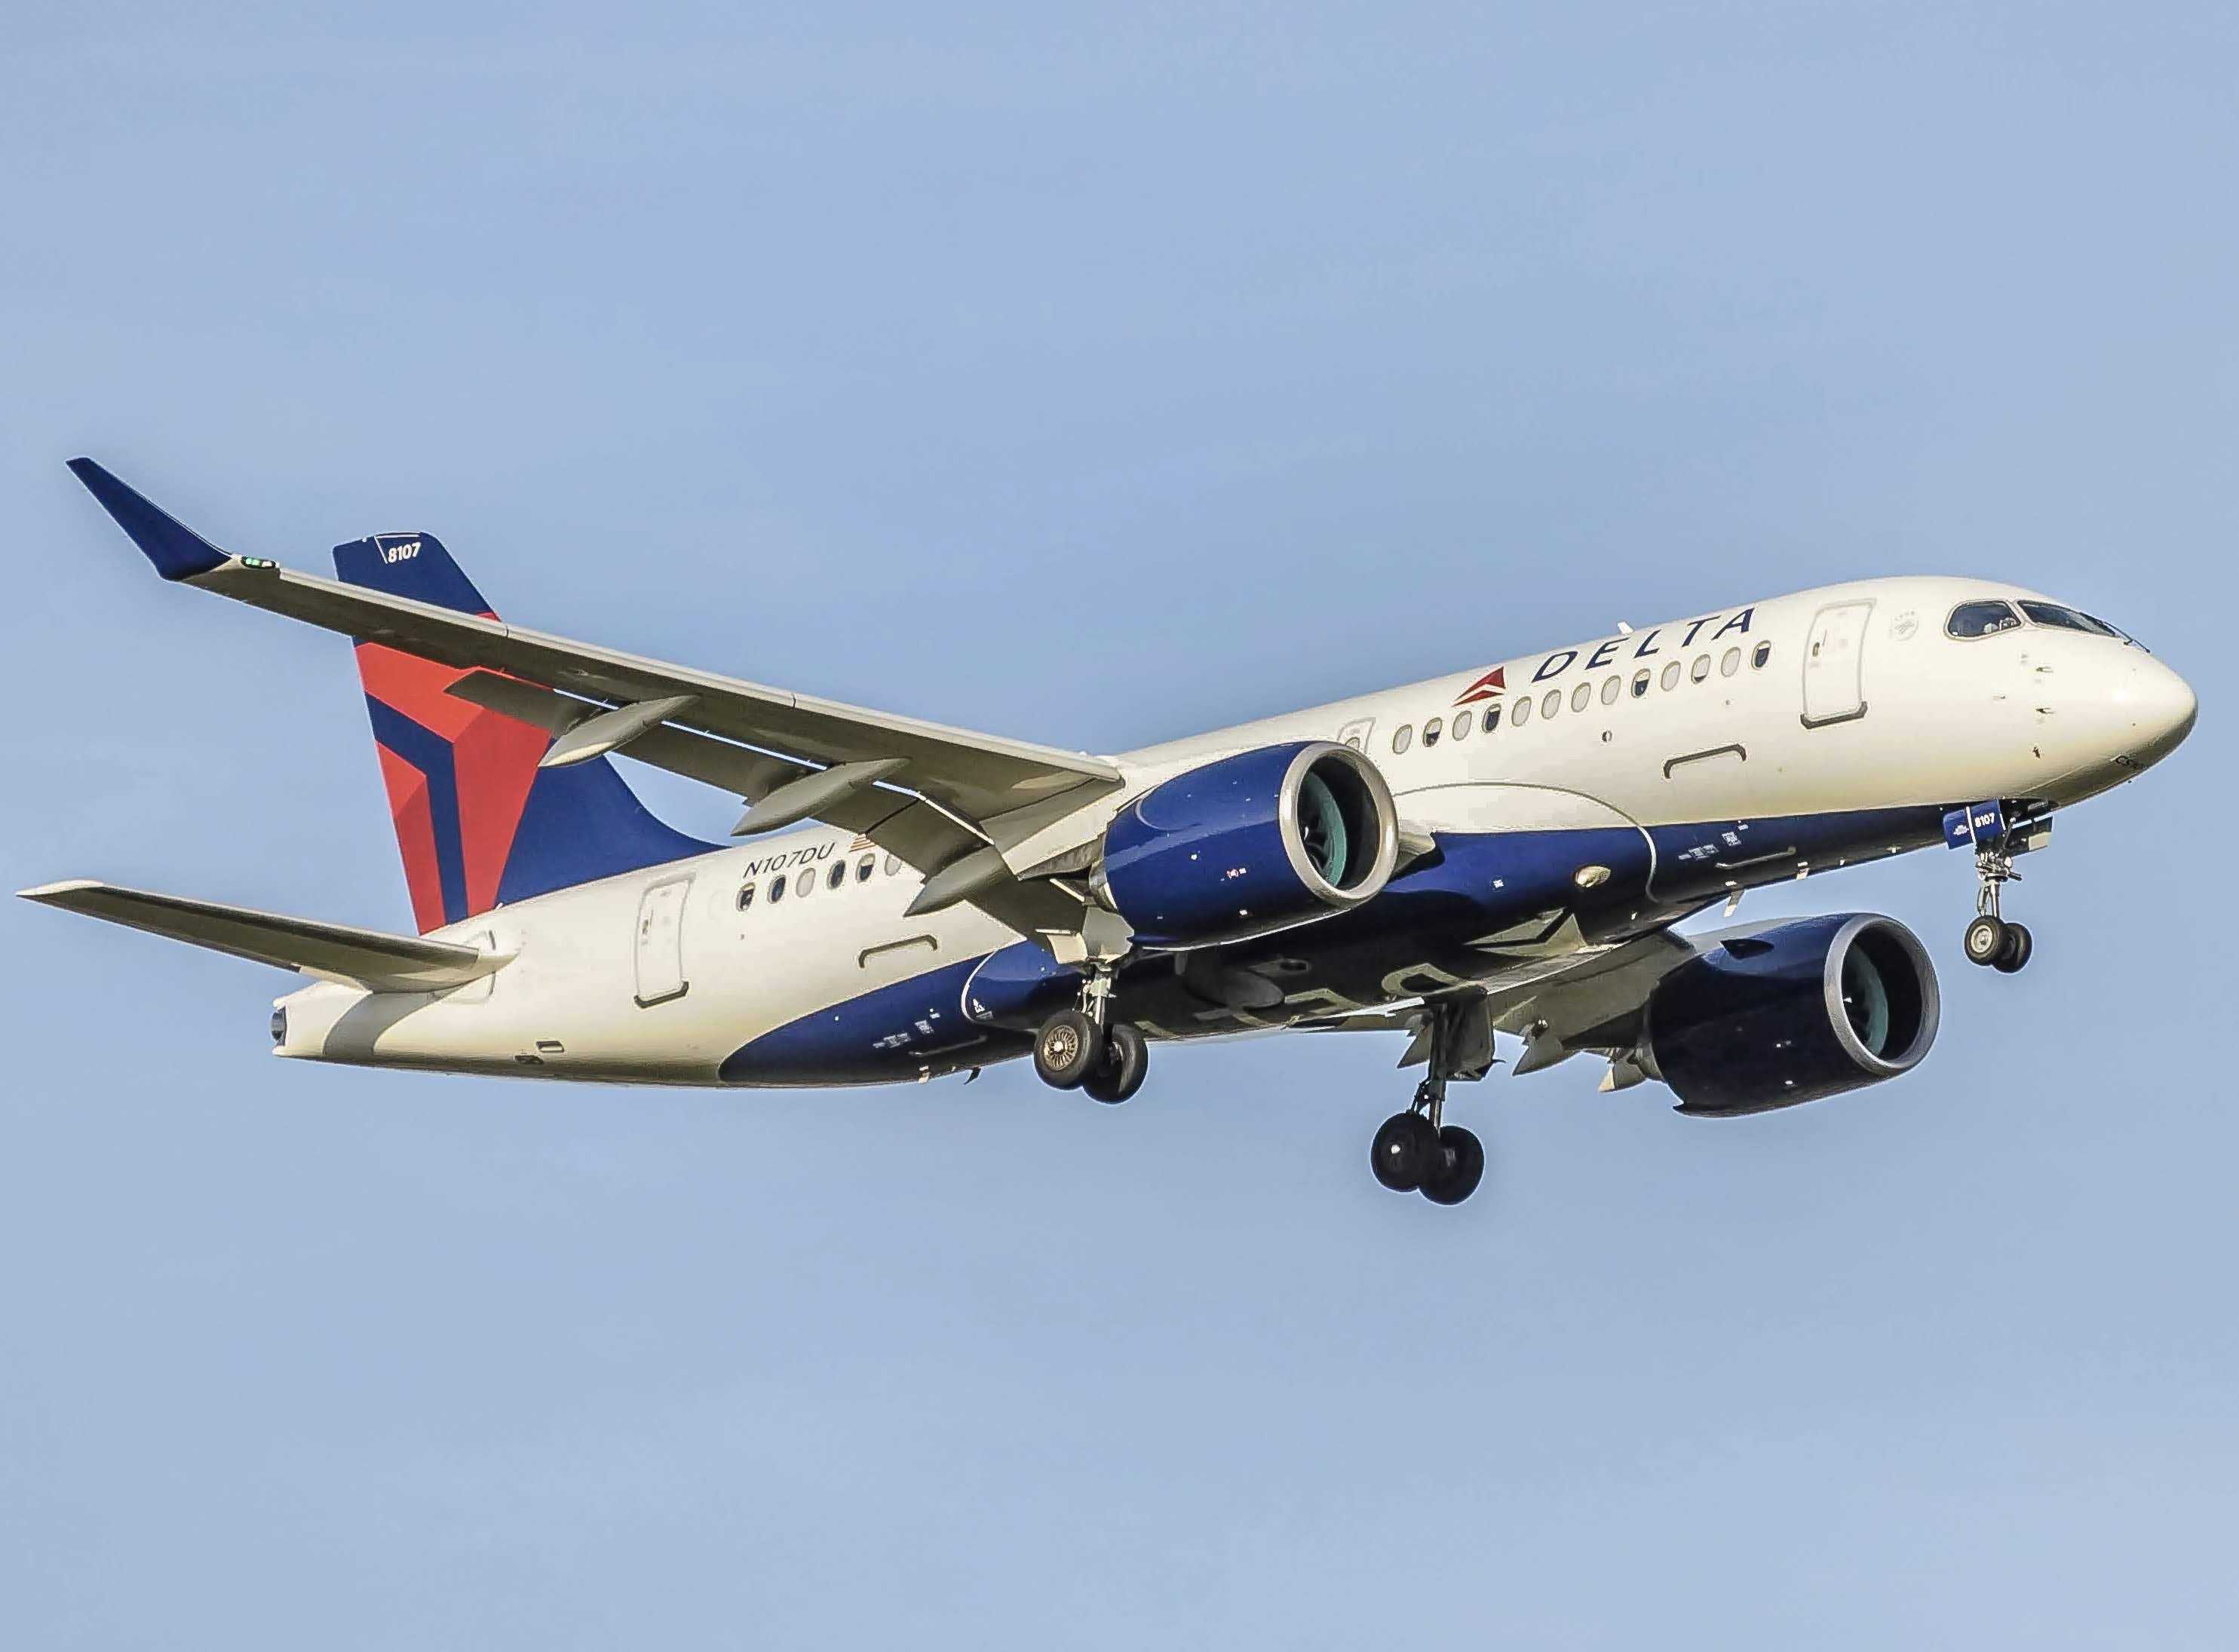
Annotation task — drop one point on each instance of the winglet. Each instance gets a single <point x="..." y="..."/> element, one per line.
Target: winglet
<point x="177" y="550"/>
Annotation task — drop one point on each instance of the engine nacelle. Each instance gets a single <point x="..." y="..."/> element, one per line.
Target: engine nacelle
<point x="1250" y="843"/>
<point x="1792" y="1013"/>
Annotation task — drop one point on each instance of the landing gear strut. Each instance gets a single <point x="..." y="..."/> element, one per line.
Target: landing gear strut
<point x="1417" y="1151"/>
<point x="1084" y="1049"/>
<point x="1990" y="940"/>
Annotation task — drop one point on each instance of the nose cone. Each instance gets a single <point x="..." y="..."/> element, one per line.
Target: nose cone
<point x="2157" y="707"/>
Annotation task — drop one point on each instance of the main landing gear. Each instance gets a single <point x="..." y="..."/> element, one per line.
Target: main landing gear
<point x="1084" y="1049"/>
<point x="1414" y="1153"/>
<point x="1990" y="940"/>
<point x="1417" y="1151"/>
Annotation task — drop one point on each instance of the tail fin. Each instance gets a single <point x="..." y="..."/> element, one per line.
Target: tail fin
<point x="478" y="823"/>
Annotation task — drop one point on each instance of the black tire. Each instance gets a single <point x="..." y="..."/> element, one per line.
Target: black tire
<point x="2015" y="956"/>
<point x="1126" y="1059"/>
<point x="1985" y="940"/>
<point x="1464" y="1167"/>
<point x="1068" y="1049"/>
<point x="1405" y="1149"/>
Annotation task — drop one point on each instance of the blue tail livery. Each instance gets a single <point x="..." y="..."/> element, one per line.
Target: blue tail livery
<point x="478" y="823"/>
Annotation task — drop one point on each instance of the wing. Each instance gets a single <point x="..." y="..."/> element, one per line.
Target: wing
<point x="909" y="827"/>
<point x="976" y="776"/>
<point x="366" y="957"/>
<point x="1588" y="999"/>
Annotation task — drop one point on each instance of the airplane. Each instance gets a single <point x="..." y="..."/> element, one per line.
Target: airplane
<point x="1504" y="851"/>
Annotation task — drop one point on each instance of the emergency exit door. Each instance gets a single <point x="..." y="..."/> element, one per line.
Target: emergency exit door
<point x="660" y="942"/>
<point x="1834" y="681"/>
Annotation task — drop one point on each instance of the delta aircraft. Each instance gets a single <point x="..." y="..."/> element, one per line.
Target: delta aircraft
<point x="1506" y="851"/>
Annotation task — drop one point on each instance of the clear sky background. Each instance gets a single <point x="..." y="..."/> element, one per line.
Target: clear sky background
<point x="1095" y="376"/>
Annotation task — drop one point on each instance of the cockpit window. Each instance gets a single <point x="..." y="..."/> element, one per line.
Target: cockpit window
<point x="1980" y="619"/>
<point x="2053" y="614"/>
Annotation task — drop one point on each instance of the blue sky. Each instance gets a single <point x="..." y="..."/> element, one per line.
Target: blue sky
<point x="1095" y="375"/>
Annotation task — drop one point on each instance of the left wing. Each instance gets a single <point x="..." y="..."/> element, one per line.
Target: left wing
<point x="909" y="827"/>
<point x="977" y="776"/>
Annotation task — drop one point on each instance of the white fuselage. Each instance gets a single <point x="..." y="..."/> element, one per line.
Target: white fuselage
<point x="1848" y="707"/>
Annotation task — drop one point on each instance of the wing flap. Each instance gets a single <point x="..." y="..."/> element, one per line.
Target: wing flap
<point x="367" y="957"/>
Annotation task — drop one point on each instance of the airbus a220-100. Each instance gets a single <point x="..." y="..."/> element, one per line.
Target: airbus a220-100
<point x="1506" y="851"/>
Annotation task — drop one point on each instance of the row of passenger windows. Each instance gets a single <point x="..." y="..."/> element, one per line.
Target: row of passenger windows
<point x="803" y="882"/>
<point x="1581" y="696"/>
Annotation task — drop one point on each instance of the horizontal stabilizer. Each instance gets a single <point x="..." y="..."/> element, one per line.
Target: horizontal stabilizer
<point x="365" y="958"/>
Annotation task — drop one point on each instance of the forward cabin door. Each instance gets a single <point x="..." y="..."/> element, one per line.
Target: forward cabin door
<point x="1834" y="687"/>
<point x="660" y="942"/>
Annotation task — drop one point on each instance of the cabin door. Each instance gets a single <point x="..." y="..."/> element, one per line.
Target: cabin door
<point x="660" y="942"/>
<point x="1834" y="683"/>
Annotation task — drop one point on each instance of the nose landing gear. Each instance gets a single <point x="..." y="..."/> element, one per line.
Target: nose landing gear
<point x="1990" y="940"/>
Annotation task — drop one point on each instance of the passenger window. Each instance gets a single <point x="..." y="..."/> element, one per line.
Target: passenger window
<point x="2063" y="619"/>
<point x="1523" y="712"/>
<point x="1972" y="619"/>
<point x="1431" y="730"/>
<point x="893" y="864"/>
<point x="1639" y="683"/>
<point x="746" y="896"/>
<point x="1701" y="668"/>
<point x="1491" y="718"/>
<point x="864" y="868"/>
<point x="1582" y="696"/>
<point x="1402" y="737"/>
<point x="1551" y="702"/>
<point x="1731" y="663"/>
<point x="1764" y="652"/>
<point x="1671" y="679"/>
<point x="1611" y="689"/>
<point x="1464" y="721"/>
<point x="777" y="889"/>
<point x="837" y="876"/>
<point x="804" y="883"/>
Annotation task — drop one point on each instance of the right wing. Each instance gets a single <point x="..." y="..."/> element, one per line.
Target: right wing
<point x="365" y="958"/>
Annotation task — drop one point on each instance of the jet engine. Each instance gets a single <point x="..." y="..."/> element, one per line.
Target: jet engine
<point x="1792" y="1014"/>
<point x="1263" y="840"/>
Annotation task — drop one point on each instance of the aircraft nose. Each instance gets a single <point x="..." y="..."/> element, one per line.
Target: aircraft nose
<point x="2159" y="707"/>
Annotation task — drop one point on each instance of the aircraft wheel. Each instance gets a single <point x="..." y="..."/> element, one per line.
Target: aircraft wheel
<point x="2020" y="944"/>
<point x="1126" y="1059"/>
<point x="1985" y="940"/>
<point x="1068" y="1049"/>
<point x="1464" y="1167"/>
<point x="1406" y="1149"/>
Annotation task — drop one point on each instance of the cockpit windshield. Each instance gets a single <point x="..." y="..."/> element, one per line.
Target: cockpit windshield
<point x="1989" y="616"/>
<point x="1980" y="619"/>
<point x="2066" y="618"/>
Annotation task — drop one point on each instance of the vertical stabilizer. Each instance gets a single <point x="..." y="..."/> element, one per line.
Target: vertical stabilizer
<point x="477" y="822"/>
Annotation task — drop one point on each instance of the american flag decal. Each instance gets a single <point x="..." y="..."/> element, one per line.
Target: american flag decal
<point x="862" y="841"/>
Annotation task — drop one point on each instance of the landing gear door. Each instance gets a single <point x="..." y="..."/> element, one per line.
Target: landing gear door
<point x="660" y="942"/>
<point x="1834" y="684"/>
